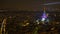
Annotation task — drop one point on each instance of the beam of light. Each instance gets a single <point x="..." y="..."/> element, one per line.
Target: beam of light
<point x="52" y="3"/>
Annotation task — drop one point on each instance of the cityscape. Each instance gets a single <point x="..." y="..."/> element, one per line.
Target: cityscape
<point x="30" y="17"/>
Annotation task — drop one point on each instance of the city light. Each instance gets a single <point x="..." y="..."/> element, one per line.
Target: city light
<point x="43" y="19"/>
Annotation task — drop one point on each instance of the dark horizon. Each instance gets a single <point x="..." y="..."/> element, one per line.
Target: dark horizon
<point x="24" y="4"/>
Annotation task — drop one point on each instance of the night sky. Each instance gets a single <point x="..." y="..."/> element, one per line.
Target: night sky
<point x="24" y="4"/>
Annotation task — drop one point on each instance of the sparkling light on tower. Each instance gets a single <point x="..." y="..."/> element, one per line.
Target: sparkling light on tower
<point x="44" y="16"/>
